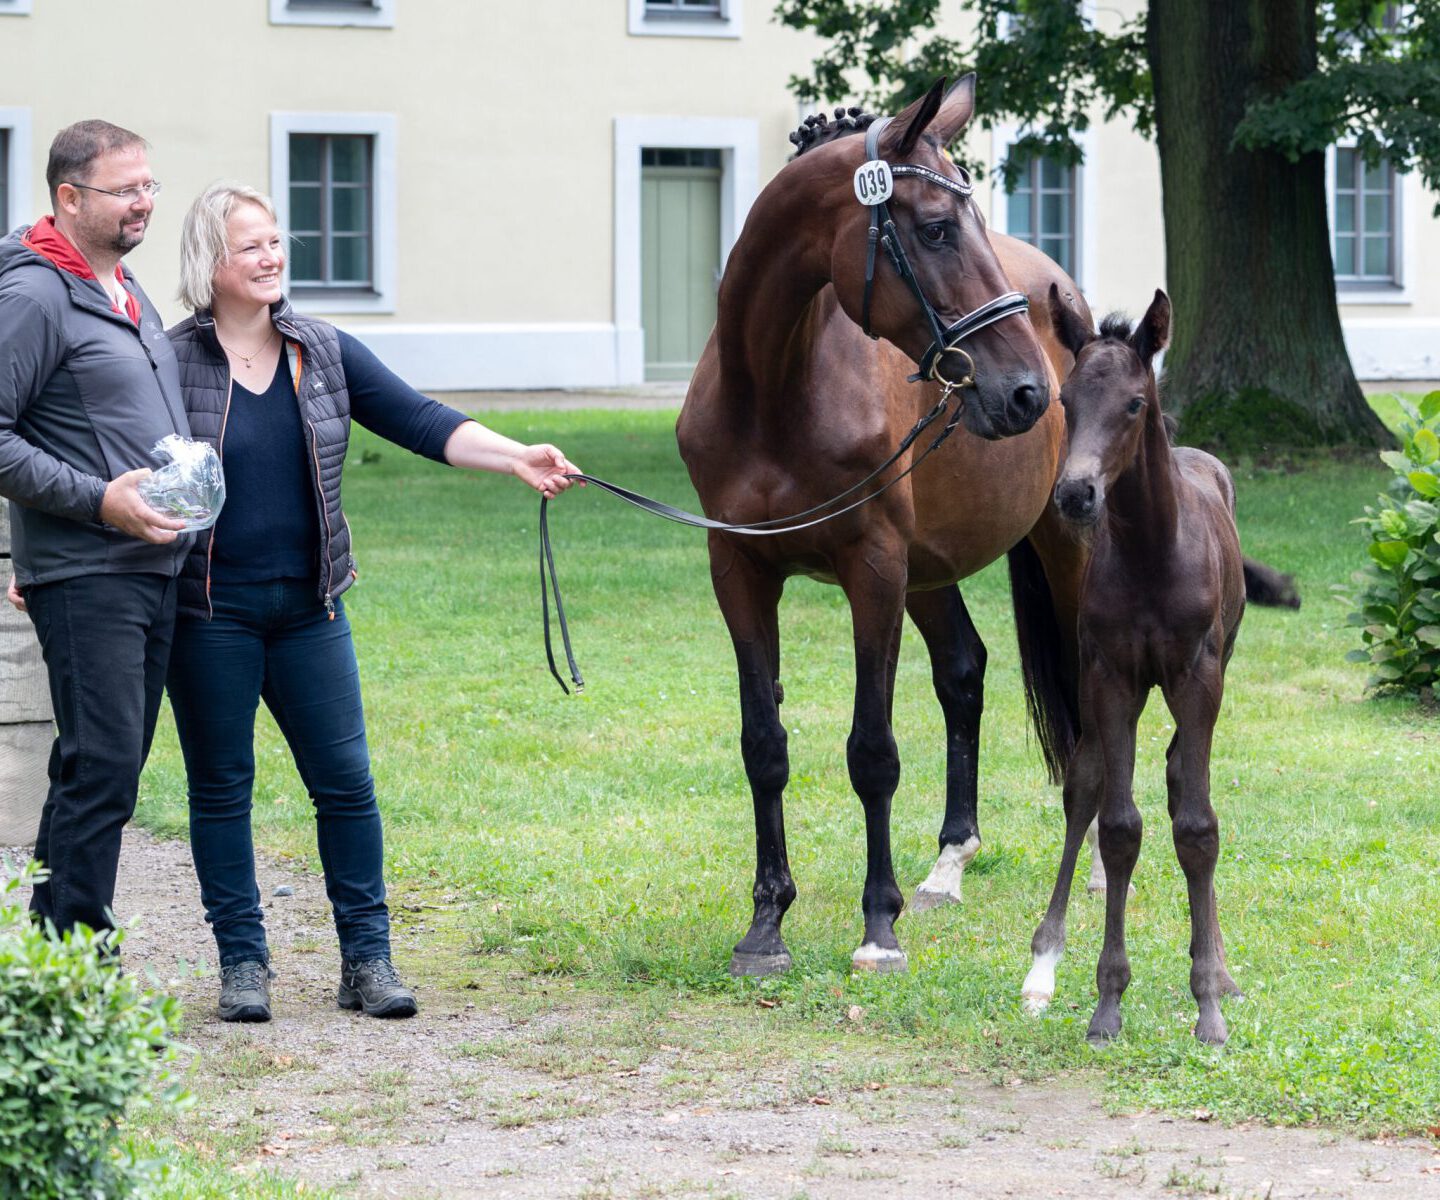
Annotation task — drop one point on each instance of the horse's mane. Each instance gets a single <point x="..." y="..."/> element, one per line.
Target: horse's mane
<point x="1118" y="326"/>
<point x="819" y="130"/>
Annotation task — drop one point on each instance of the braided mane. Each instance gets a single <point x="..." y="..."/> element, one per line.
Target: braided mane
<point x="818" y="129"/>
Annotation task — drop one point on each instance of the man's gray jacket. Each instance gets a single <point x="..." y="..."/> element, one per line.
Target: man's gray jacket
<point x="84" y="397"/>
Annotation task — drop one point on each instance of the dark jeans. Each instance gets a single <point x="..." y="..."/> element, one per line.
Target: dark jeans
<point x="274" y="641"/>
<point x="106" y="642"/>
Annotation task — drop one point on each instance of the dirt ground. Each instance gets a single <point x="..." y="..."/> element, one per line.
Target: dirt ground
<point x="424" y="1109"/>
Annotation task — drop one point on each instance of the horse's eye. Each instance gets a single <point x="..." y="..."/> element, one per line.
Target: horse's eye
<point x="934" y="233"/>
<point x="1136" y="405"/>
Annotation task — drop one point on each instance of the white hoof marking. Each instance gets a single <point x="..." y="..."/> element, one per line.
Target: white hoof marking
<point x="949" y="869"/>
<point x="871" y="957"/>
<point x="1039" y="985"/>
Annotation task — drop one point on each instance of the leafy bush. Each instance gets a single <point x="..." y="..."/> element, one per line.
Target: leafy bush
<point x="79" y="1041"/>
<point x="1397" y="601"/>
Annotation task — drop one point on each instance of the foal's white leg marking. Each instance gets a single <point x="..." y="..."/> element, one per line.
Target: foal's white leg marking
<point x="943" y="883"/>
<point x="1097" y="864"/>
<point x="1039" y="986"/>
<point x="870" y="957"/>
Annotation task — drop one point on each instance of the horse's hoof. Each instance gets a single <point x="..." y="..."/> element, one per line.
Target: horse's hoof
<point x="1034" y="1003"/>
<point x="1104" y="1027"/>
<point x="925" y="900"/>
<point x="744" y="963"/>
<point x="878" y="959"/>
<point x="1211" y="1030"/>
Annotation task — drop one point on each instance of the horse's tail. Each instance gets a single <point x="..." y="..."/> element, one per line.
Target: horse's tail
<point x="1268" y="587"/>
<point x="1051" y="689"/>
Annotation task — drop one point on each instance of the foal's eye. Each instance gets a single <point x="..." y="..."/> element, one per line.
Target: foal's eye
<point x="1136" y="405"/>
<point x="934" y="233"/>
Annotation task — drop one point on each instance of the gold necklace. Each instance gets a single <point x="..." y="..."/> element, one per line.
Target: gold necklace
<point x="248" y="359"/>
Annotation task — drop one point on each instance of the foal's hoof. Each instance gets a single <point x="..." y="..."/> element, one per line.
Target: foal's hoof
<point x="1104" y="1026"/>
<point x="1034" y="1003"/>
<point x="1211" y="1029"/>
<point x="925" y="900"/>
<point x="879" y="959"/>
<point x="746" y="963"/>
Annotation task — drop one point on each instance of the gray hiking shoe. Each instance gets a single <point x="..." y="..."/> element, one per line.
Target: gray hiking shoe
<point x="245" y="991"/>
<point x="375" y="986"/>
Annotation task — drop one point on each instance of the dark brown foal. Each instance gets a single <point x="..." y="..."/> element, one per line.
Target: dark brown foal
<point x="1160" y="605"/>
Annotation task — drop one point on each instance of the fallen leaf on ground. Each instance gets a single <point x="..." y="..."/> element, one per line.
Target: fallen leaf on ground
<point x="1203" y="1114"/>
<point x="855" y="1013"/>
<point x="819" y="1099"/>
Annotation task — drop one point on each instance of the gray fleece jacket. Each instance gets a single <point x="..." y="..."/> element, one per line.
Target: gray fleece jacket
<point x="84" y="397"/>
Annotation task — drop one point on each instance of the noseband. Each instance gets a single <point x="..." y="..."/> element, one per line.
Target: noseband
<point x="873" y="187"/>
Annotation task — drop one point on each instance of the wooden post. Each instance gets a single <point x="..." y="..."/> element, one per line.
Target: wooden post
<point x="25" y="716"/>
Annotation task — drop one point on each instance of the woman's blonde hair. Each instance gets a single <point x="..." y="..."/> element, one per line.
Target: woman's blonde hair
<point x="204" y="243"/>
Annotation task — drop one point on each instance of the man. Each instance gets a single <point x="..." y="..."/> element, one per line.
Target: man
<point x="88" y="385"/>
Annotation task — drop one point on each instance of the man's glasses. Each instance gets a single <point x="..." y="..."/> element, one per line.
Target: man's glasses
<point x="130" y="194"/>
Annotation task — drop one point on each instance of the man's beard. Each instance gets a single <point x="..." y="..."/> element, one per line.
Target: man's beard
<point x="125" y="242"/>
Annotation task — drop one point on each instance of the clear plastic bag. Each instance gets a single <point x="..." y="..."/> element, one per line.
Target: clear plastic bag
<point x="191" y="485"/>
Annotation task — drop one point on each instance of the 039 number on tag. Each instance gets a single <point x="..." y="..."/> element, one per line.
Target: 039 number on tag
<point x="873" y="182"/>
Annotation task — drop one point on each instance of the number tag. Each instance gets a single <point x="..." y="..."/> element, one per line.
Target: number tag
<point x="873" y="182"/>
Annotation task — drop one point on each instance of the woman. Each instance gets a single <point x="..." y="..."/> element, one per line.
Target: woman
<point x="260" y="611"/>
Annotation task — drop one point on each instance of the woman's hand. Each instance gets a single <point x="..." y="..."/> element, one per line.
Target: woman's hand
<point x="544" y="468"/>
<point x="12" y="594"/>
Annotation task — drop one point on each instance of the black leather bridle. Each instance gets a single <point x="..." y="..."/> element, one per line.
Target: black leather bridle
<point x="944" y="340"/>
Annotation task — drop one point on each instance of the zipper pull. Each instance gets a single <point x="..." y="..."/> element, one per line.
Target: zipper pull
<point x="329" y="607"/>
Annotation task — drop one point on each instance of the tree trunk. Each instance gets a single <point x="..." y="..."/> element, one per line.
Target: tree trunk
<point x="1257" y="358"/>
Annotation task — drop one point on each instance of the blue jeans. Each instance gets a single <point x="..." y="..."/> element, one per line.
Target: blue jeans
<point x="274" y="641"/>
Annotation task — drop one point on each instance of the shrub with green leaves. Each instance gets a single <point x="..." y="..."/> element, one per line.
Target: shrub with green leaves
<point x="1396" y="597"/>
<point x="80" y="1041"/>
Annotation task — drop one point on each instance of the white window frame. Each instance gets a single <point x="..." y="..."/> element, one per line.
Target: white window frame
<point x="1087" y="199"/>
<point x="1409" y="199"/>
<point x="381" y="16"/>
<point x="17" y="166"/>
<point x="15" y="8"/>
<point x="738" y="140"/>
<point x="380" y="126"/>
<point x="726" y="25"/>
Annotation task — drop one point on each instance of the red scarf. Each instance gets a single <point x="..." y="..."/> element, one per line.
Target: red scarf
<point x="48" y="242"/>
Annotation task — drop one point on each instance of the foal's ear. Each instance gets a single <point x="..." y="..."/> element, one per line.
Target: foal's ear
<point x="905" y="130"/>
<point x="1070" y="326"/>
<point x="1152" y="335"/>
<point x="955" y="111"/>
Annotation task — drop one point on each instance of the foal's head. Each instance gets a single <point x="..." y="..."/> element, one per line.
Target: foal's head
<point x="1110" y="398"/>
<point x="943" y="236"/>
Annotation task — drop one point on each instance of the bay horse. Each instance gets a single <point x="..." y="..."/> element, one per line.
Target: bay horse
<point x="1160" y="604"/>
<point x="791" y="403"/>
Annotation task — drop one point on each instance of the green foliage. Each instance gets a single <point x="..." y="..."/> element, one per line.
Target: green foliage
<point x="1397" y="594"/>
<point x="1038" y="62"/>
<point x="1248" y="421"/>
<point x="79" y="1042"/>
<point x="1042" y="65"/>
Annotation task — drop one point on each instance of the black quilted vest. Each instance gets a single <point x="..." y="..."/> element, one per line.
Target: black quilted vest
<point x="324" y="414"/>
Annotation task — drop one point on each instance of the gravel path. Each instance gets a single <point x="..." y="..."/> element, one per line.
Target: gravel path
<point x="482" y="1096"/>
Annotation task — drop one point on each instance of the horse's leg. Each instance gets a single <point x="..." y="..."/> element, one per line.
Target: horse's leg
<point x="1195" y="702"/>
<point x="1174" y="786"/>
<point x="957" y="667"/>
<point x="1084" y="778"/>
<point x="1116" y="711"/>
<point x="749" y="597"/>
<point x="877" y="609"/>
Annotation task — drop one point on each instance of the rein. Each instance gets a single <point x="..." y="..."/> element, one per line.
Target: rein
<point x="873" y="187"/>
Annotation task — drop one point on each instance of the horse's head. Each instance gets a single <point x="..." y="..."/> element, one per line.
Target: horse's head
<point x="942" y="239"/>
<point x="1108" y="398"/>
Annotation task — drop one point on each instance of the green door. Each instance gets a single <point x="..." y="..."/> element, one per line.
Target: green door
<point x="679" y="257"/>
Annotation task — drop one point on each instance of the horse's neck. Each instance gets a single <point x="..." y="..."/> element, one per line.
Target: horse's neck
<point x="1144" y="507"/>
<point x="766" y="303"/>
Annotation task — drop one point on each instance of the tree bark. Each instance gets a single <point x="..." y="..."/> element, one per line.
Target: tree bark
<point x="1257" y="358"/>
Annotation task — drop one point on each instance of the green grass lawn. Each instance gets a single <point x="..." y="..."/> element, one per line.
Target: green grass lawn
<point x="608" y="838"/>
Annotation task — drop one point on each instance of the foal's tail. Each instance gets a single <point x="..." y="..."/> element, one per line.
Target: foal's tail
<point x="1051" y="687"/>
<point x="1268" y="587"/>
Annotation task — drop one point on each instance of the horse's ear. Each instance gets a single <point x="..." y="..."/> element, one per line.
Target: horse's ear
<point x="955" y="111"/>
<point x="1152" y="335"/>
<point x="1070" y="326"/>
<point x="905" y="130"/>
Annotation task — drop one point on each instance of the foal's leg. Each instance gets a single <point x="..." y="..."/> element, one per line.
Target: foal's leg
<point x="749" y="596"/>
<point x="1194" y="699"/>
<point x="957" y="667"/>
<point x="1084" y="778"/>
<point x="1116" y="711"/>
<point x="874" y="583"/>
